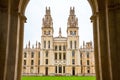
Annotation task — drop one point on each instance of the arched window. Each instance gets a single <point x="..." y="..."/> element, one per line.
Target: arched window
<point x="88" y="55"/>
<point x="32" y="62"/>
<point x="55" y="69"/>
<point x="25" y="54"/>
<point x="60" y="56"/>
<point x="46" y="53"/>
<point x="64" y="56"/>
<point x="55" y="56"/>
<point x="60" y="69"/>
<point x="48" y="44"/>
<point x="60" y="48"/>
<point x="44" y="44"/>
<point x="88" y="62"/>
<point x="46" y="61"/>
<point x="73" y="61"/>
<point x="73" y="53"/>
<point x="55" y="48"/>
<point x="24" y="62"/>
<point x="75" y="44"/>
<point x="64" y="48"/>
<point x="32" y="55"/>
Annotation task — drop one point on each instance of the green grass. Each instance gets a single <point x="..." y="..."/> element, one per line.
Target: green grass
<point x="58" y="78"/>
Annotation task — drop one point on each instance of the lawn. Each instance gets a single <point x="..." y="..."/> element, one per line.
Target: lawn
<point x="58" y="78"/>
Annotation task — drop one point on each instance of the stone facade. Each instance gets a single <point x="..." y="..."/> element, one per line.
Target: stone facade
<point x="59" y="55"/>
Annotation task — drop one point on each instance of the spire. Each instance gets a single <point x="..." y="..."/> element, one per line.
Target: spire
<point x="60" y="32"/>
<point x="29" y="44"/>
<point x="83" y="44"/>
<point x="72" y="19"/>
<point x="72" y="11"/>
<point x="47" y="20"/>
<point x="39" y="45"/>
<point x="47" y="11"/>
<point x="36" y="44"/>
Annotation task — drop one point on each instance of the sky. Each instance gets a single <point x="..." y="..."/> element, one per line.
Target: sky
<point x="35" y="11"/>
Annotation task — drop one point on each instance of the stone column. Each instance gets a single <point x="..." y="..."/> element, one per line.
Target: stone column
<point x="94" y="20"/>
<point x="13" y="43"/>
<point x="113" y="32"/>
<point x="4" y="29"/>
<point x="22" y="19"/>
<point x="103" y="56"/>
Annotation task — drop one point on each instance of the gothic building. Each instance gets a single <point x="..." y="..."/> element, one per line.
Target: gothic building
<point x="59" y="55"/>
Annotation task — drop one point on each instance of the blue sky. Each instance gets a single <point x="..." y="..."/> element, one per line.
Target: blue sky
<point x="35" y="11"/>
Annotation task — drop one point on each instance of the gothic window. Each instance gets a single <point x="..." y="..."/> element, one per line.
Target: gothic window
<point x="48" y="44"/>
<point x="32" y="55"/>
<point x="32" y="62"/>
<point x="80" y="62"/>
<point x="39" y="54"/>
<point x="55" y="69"/>
<point x="88" y="63"/>
<point x="25" y="54"/>
<point x="88" y="55"/>
<point x="64" y="48"/>
<point x="44" y="44"/>
<point x="73" y="53"/>
<point x="60" y="69"/>
<point x="60" y="48"/>
<point x="73" y="61"/>
<point x="46" y="53"/>
<point x="55" y="56"/>
<point x="64" y="56"/>
<point x="24" y="62"/>
<point x="60" y="56"/>
<point x="55" y="48"/>
<point x="46" y="61"/>
<point x="71" y="44"/>
<point x="75" y="44"/>
<point x="63" y="69"/>
<point x="38" y="62"/>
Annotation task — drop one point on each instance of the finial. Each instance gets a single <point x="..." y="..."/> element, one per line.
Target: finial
<point x="36" y="44"/>
<point x="39" y="45"/>
<point x="29" y="44"/>
<point x="60" y="32"/>
<point x="83" y="43"/>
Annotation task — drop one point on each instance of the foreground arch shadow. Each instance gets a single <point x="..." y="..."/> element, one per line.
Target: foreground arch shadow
<point x="105" y="18"/>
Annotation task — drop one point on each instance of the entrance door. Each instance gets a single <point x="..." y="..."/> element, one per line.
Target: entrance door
<point x="73" y="71"/>
<point x="46" y="71"/>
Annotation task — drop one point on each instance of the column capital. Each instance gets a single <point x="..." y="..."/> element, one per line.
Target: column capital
<point x="93" y="17"/>
<point x="23" y="17"/>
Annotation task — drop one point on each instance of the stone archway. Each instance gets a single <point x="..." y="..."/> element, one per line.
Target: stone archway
<point x="106" y="22"/>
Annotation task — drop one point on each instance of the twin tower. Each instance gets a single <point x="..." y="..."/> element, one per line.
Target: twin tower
<point x="60" y="55"/>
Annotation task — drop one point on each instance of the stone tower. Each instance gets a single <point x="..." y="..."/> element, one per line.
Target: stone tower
<point x="47" y="42"/>
<point x="73" y="43"/>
